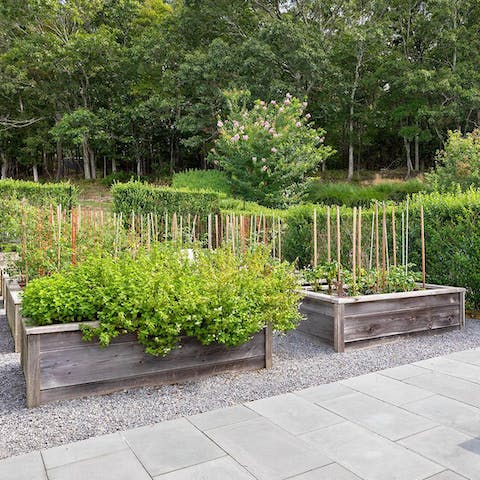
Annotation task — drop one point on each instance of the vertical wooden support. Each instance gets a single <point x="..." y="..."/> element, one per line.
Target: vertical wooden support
<point x="315" y="251"/>
<point x="422" y="233"/>
<point x="354" y="251"/>
<point x="338" y="327"/>
<point x="394" y="237"/>
<point x="329" y="237"/>
<point x="32" y="370"/>
<point x="359" y="241"/>
<point x="462" y="309"/>
<point x="268" y="346"/>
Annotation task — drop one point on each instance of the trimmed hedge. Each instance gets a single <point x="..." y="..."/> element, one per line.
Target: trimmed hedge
<point x="452" y="237"/>
<point x="39" y="194"/>
<point x="142" y="198"/>
<point x="355" y="195"/>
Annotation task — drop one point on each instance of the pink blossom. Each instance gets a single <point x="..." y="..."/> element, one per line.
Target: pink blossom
<point x="245" y="137"/>
<point x="266" y="125"/>
<point x="298" y="124"/>
<point x="235" y="123"/>
<point x="264" y="168"/>
<point x="322" y="139"/>
<point x="271" y="131"/>
<point x="264" y="108"/>
<point x="236" y="138"/>
<point x="281" y="109"/>
<point x="219" y="124"/>
<point x="273" y="102"/>
<point x="304" y="104"/>
<point x="287" y="102"/>
<point x="254" y="159"/>
<point x="274" y="150"/>
<point x="242" y="128"/>
<point x="262" y="102"/>
<point x="308" y="116"/>
<point x="264" y="160"/>
<point x="288" y="95"/>
<point x="215" y="162"/>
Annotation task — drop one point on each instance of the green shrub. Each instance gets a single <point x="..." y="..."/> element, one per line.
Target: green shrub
<point x="212" y="180"/>
<point x="65" y="194"/>
<point x="458" y="164"/>
<point x="142" y="198"/>
<point x="268" y="152"/>
<point x="355" y="195"/>
<point x="218" y="297"/>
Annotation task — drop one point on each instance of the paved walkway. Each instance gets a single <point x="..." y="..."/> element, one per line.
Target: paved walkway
<point x="419" y="421"/>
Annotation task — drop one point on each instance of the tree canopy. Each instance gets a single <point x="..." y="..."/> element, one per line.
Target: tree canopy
<point x="139" y="85"/>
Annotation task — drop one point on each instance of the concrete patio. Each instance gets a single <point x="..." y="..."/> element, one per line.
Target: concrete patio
<point x="418" y="421"/>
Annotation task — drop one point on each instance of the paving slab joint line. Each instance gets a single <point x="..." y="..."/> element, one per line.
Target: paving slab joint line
<point x="220" y="426"/>
<point x="133" y="452"/>
<point x="447" y="470"/>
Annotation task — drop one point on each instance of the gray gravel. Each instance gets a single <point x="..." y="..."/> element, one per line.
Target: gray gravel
<point x="299" y="362"/>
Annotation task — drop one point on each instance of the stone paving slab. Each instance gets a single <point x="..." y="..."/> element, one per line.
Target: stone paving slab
<point x="414" y="422"/>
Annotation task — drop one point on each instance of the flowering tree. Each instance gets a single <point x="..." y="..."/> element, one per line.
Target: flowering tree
<point x="268" y="151"/>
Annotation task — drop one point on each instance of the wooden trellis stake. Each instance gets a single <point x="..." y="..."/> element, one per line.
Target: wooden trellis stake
<point x="315" y="251"/>
<point x="339" y="268"/>
<point x="359" y="241"/>
<point x="394" y="237"/>
<point x="354" y="251"/>
<point x="422" y="233"/>
<point x="384" y="244"/>
<point x="329" y="237"/>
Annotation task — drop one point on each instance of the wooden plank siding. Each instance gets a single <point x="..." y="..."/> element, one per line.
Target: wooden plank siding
<point x="60" y="365"/>
<point x="12" y="304"/>
<point x="342" y="321"/>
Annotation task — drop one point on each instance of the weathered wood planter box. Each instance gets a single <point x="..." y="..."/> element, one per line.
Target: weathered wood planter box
<point x="12" y="303"/>
<point x="355" y="321"/>
<point x="59" y="365"/>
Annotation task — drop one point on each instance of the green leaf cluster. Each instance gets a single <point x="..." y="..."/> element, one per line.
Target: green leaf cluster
<point x="162" y="295"/>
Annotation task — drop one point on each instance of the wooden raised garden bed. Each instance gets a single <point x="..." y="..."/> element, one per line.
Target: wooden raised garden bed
<point x="353" y="321"/>
<point x="59" y="365"/>
<point x="12" y="304"/>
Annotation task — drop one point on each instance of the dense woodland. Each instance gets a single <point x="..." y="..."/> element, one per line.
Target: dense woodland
<point x="138" y="85"/>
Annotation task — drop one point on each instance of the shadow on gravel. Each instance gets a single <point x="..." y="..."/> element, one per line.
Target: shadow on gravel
<point x="6" y="340"/>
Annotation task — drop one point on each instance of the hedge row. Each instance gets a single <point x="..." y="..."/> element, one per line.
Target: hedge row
<point x="452" y="229"/>
<point x="452" y="237"/>
<point x="142" y="198"/>
<point x="39" y="194"/>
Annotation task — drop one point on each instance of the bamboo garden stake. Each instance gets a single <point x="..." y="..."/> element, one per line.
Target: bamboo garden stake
<point x="384" y="244"/>
<point x="354" y="251"/>
<point x="359" y="241"/>
<point x="329" y="237"/>
<point x="339" y="268"/>
<point x="315" y="254"/>
<point x="422" y="232"/>
<point x="394" y="238"/>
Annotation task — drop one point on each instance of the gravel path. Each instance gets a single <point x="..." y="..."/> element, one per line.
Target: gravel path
<point x="299" y="362"/>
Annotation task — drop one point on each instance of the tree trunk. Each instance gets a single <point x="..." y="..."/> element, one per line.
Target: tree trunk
<point x="351" y="159"/>
<point x="35" y="173"/>
<point x="139" y="166"/>
<point x="93" y="166"/>
<point x="114" y="165"/>
<point x="104" y="166"/>
<point x="409" y="157"/>
<point x="417" y="154"/>
<point x="4" y="165"/>
<point x="172" y="155"/>
<point x="60" y="172"/>
<point x="86" y="159"/>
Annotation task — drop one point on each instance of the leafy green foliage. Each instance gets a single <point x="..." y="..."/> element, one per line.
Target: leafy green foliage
<point x="142" y="199"/>
<point x="213" y="180"/>
<point x="63" y="193"/>
<point x="458" y="164"/>
<point x="218" y="297"/>
<point x="268" y="152"/>
<point x="367" y="281"/>
<point x="355" y="195"/>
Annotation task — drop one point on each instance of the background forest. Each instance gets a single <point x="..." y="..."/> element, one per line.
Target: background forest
<point x="139" y="85"/>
